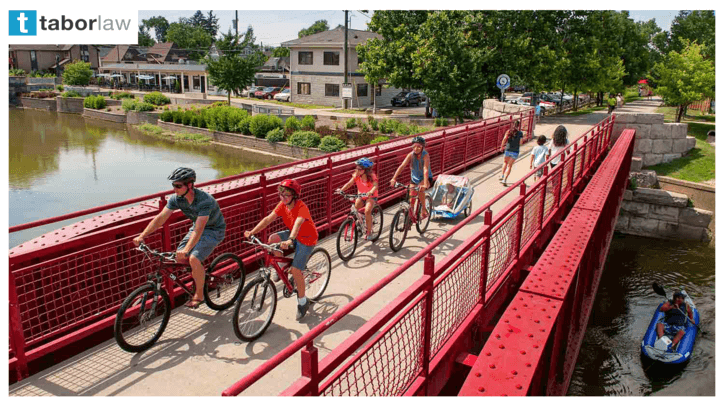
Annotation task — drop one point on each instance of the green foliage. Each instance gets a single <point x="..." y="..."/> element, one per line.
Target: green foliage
<point x="178" y="116"/>
<point x="149" y="128"/>
<point x="684" y="78"/>
<point x="144" y="38"/>
<point x="380" y="139"/>
<point x="188" y="36"/>
<point x="387" y="126"/>
<point x="156" y="98"/>
<point x="166" y="116"/>
<point x="374" y="124"/>
<point x="317" y="27"/>
<point x="308" y="123"/>
<point x="292" y="124"/>
<point x="280" y="52"/>
<point x="77" y="73"/>
<point x="245" y="126"/>
<point x="59" y="88"/>
<point x="225" y="118"/>
<point x="275" y="135"/>
<point x="632" y="184"/>
<point x="94" y="102"/>
<point x="232" y="72"/>
<point x="262" y="124"/>
<point x="16" y="72"/>
<point x="188" y="117"/>
<point x="304" y="139"/>
<point x="440" y="122"/>
<point x="124" y="95"/>
<point x="70" y="94"/>
<point x="137" y="106"/>
<point x="351" y="123"/>
<point x="331" y="144"/>
<point x="365" y="127"/>
<point x="689" y="26"/>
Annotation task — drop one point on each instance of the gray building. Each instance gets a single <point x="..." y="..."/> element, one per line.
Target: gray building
<point x="317" y="70"/>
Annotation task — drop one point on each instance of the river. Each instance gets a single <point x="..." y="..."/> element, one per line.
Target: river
<point x="61" y="163"/>
<point x="609" y="363"/>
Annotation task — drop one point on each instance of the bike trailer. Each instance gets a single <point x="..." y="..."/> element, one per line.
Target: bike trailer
<point x="451" y="195"/>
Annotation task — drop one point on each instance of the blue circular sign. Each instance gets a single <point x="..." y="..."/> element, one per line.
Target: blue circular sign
<point x="503" y="82"/>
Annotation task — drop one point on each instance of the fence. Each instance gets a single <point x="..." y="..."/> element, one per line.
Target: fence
<point x="405" y="348"/>
<point x="63" y="292"/>
<point x="534" y="347"/>
<point x="703" y="105"/>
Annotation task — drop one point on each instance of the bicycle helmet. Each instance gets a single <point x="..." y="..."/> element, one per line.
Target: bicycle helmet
<point x="365" y="163"/>
<point x="418" y="140"/>
<point x="183" y="174"/>
<point x="293" y="185"/>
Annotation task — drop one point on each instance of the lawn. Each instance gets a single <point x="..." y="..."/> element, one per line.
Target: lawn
<point x="691" y="115"/>
<point x="698" y="164"/>
<point x="585" y="111"/>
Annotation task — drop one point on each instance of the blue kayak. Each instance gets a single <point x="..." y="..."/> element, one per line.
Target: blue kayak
<point x="656" y="349"/>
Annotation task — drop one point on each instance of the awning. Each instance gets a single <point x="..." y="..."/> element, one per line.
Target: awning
<point x="169" y="77"/>
<point x="146" y="77"/>
<point x="103" y="75"/>
<point x="116" y="75"/>
<point x="644" y="81"/>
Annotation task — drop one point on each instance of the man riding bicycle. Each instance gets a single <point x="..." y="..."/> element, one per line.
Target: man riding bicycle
<point x="207" y="230"/>
<point x="420" y="170"/>
<point x="366" y="184"/>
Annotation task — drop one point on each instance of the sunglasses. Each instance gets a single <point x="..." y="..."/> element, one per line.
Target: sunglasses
<point x="177" y="186"/>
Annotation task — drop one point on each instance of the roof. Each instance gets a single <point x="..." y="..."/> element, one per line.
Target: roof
<point x="154" y="67"/>
<point x="160" y="48"/>
<point x="41" y="47"/>
<point x="117" y="53"/>
<point x="274" y="62"/>
<point x="333" y="37"/>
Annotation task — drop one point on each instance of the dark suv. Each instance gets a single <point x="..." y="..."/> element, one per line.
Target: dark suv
<point x="407" y="99"/>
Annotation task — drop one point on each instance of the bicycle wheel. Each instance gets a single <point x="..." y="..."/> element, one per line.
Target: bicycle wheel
<point x="398" y="229"/>
<point x="142" y="318"/>
<point x="224" y="281"/>
<point x="255" y="309"/>
<point x="317" y="273"/>
<point x="468" y="209"/>
<point x="377" y="221"/>
<point x="347" y="239"/>
<point x="422" y="224"/>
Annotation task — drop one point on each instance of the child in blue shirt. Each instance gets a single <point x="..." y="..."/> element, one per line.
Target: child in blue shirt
<point x="538" y="156"/>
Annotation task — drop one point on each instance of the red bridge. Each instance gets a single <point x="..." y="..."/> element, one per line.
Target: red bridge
<point x="520" y="285"/>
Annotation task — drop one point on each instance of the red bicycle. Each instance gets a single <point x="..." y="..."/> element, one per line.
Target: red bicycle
<point x="406" y="216"/>
<point x="355" y="226"/>
<point x="257" y="304"/>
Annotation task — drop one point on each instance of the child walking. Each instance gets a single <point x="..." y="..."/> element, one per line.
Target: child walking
<point x="538" y="156"/>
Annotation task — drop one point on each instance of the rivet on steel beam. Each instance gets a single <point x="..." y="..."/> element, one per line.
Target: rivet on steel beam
<point x="522" y="352"/>
<point x="488" y="354"/>
<point x="530" y="335"/>
<point x="481" y="389"/>
<point x="527" y="365"/>
<point x="517" y="386"/>
<point x="492" y="366"/>
<point x="535" y="346"/>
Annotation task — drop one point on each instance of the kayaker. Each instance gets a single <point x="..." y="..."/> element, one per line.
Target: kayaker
<point x="674" y="320"/>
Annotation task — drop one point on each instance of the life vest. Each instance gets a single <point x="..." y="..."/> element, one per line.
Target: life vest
<point x="677" y="316"/>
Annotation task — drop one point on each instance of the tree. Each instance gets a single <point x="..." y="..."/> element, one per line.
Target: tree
<point x="187" y="36"/>
<point x="232" y="72"/>
<point x="77" y="73"/>
<point x="318" y="27"/>
<point x="280" y="52"/>
<point x="160" y="26"/>
<point x="697" y="25"/>
<point x="684" y="78"/>
<point x="144" y="38"/>
<point x="211" y="24"/>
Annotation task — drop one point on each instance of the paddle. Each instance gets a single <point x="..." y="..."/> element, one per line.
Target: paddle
<point x="660" y="291"/>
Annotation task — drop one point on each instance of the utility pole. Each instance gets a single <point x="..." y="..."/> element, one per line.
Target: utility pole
<point x="236" y="23"/>
<point x="345" y="52"/>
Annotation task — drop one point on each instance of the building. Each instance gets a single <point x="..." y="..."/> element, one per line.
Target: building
<point x="275" y="72"/>
<point x="317" y="70"/>
<point x="124" y="54"/>
<point x="159" y="53"/>
<point x="45" y="57"/>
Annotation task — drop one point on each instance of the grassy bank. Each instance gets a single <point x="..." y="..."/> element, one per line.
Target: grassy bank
<point x="152" y="130"/>
<point x="690" y="116"/>
<point x="287" y="104"/>
<point x="698" y="165"/>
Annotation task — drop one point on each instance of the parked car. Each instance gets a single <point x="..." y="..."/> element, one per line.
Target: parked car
<point x="249" y="91"/>
<point x="267" y="93"/>
<point x="406" y="99"/>
<point x="284" y="96"/>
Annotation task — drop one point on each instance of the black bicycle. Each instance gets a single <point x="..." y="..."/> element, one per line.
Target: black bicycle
<point x="144" y="314"/>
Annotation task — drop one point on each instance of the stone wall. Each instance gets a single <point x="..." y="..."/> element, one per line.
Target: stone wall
<point x="16" y="88"/>
<point x="249" y="142"/>
<point x="495" y="108"/>
<point x="101" y="115"/>
<point x="142" y="117"/>
<point x="656" y="142"/>
<point x="702" y="195"/>
<point x="662" y="214"/>
<point x="42" y="104"/>
<point x="69" y="105"/>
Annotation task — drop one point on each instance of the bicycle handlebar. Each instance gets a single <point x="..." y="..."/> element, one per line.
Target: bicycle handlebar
<point x="170" y="256"/>
<point x="253" y="240"/>
<point x="351" y="196"/>
<point x="398" y="185"/>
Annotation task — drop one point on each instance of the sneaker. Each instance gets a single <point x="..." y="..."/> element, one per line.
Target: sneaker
<point x="302" y="309"/>
<point x="500" y="178"/>
<point x="274" y="276"/>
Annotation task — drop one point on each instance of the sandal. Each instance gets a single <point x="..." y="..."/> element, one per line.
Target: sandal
<point x="193" y="303"/>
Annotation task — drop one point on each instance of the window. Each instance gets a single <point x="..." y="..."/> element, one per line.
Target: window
<point x="378" y="90"/>
<point x="331" y="57"/>
<point x="305" y="58"/>
<point x="32" y="57"/>
<point x="331" y="89"/>
<point x="304" y="88"/>
<point x="361" y="89"/>
<point x="85" y="55"/>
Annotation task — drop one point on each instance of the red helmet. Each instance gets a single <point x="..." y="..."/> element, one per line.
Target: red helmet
<point x="293" y="185"/>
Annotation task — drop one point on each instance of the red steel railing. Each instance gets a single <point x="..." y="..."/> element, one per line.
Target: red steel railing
<point x="405" y="348"/>
<point x="62" y="293"/>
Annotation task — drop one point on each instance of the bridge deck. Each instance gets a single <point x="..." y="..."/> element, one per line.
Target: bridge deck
<point x="199" y="354"/>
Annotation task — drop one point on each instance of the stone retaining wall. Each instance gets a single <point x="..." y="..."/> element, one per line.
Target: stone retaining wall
<point x="495" y="108"/>
<point x="656" y="142"/>
<point x="42" y="104"/>
<point x="101" y="115"/>
<point x="250" y="142"/>
<point x="69" y="105"/>
<point x="662" y="214"/>
<point x="142" y="117"/>
<point x="702" y="195"/>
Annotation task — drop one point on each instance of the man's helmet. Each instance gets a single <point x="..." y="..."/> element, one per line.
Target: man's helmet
<point x="365" y="163"/>
<point x="679" y="294"/>
<point x="293" y="185"/>
<point x="418" y="140"/>
<point x="183" y="174"/>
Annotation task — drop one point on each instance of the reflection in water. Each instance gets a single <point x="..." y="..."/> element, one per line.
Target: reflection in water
<point x="609" y="362"/>
<point x="61" y="163"/>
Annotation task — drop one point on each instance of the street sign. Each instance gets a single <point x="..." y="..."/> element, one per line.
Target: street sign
<point x="347" y="91"/>
<point x="503" y="82"/>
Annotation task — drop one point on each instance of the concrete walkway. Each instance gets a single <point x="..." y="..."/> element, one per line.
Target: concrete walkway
<point x="199" y="354"/>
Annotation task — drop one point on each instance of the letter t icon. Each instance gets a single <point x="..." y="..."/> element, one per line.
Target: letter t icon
<point x="22" y="19"/>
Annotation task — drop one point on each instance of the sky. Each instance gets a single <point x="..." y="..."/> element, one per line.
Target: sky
<point x="276" y="26"/>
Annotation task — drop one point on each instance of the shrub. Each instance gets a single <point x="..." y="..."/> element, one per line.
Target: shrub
<point x="374" y="123"/>
<point x="16" y="72"/>
<point x="365" y="127"/>
<point x="59" y="88"/>
<point x="402" y="128"/>
<point x="188" y="118"/>
<point x="219" y="104"/>
<point x="387" y="126"/>
<point x="292" y="124"/>
<point x="136" y="106"/>
<point x="156" y="98"/>
<point x="275" y="135"/>
<point x="225" y="118"/>
<point x="325" y="131"/>
<point x="94" y="102"/>
<point x="304" y="139"/>
<point x="244" y="126"/>
<point x="178" y="116"/>
<point x="351" y="123"/>
<point x="166" y="116"/>
<point x="261" y="124"/>
<point x="380" y="139"/>
<point x="308" y="123"/>
<point x="199" y="120"/>
<point x="77" y="73"/>
<point x="440" y="122"/>
<point x="70" y="94"/>
<point x="123" y="95"/>
<point x="331" y="144"/>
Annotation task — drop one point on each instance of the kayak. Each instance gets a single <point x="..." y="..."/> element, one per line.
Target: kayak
<point x="656" y="349"/>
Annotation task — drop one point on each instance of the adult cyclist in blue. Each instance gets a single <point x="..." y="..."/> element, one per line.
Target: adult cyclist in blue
<point x="420" y="170"/>
<point x="366" y="182"/>
<point x="207" y="230"/>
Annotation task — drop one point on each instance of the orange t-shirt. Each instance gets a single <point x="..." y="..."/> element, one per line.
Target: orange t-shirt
<point x="364" y="187"/>
<point x="307" y="232"/>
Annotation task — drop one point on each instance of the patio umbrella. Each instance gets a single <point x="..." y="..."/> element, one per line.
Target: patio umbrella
<point x="643" y="81"/>
<point x="116" y="75"/>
